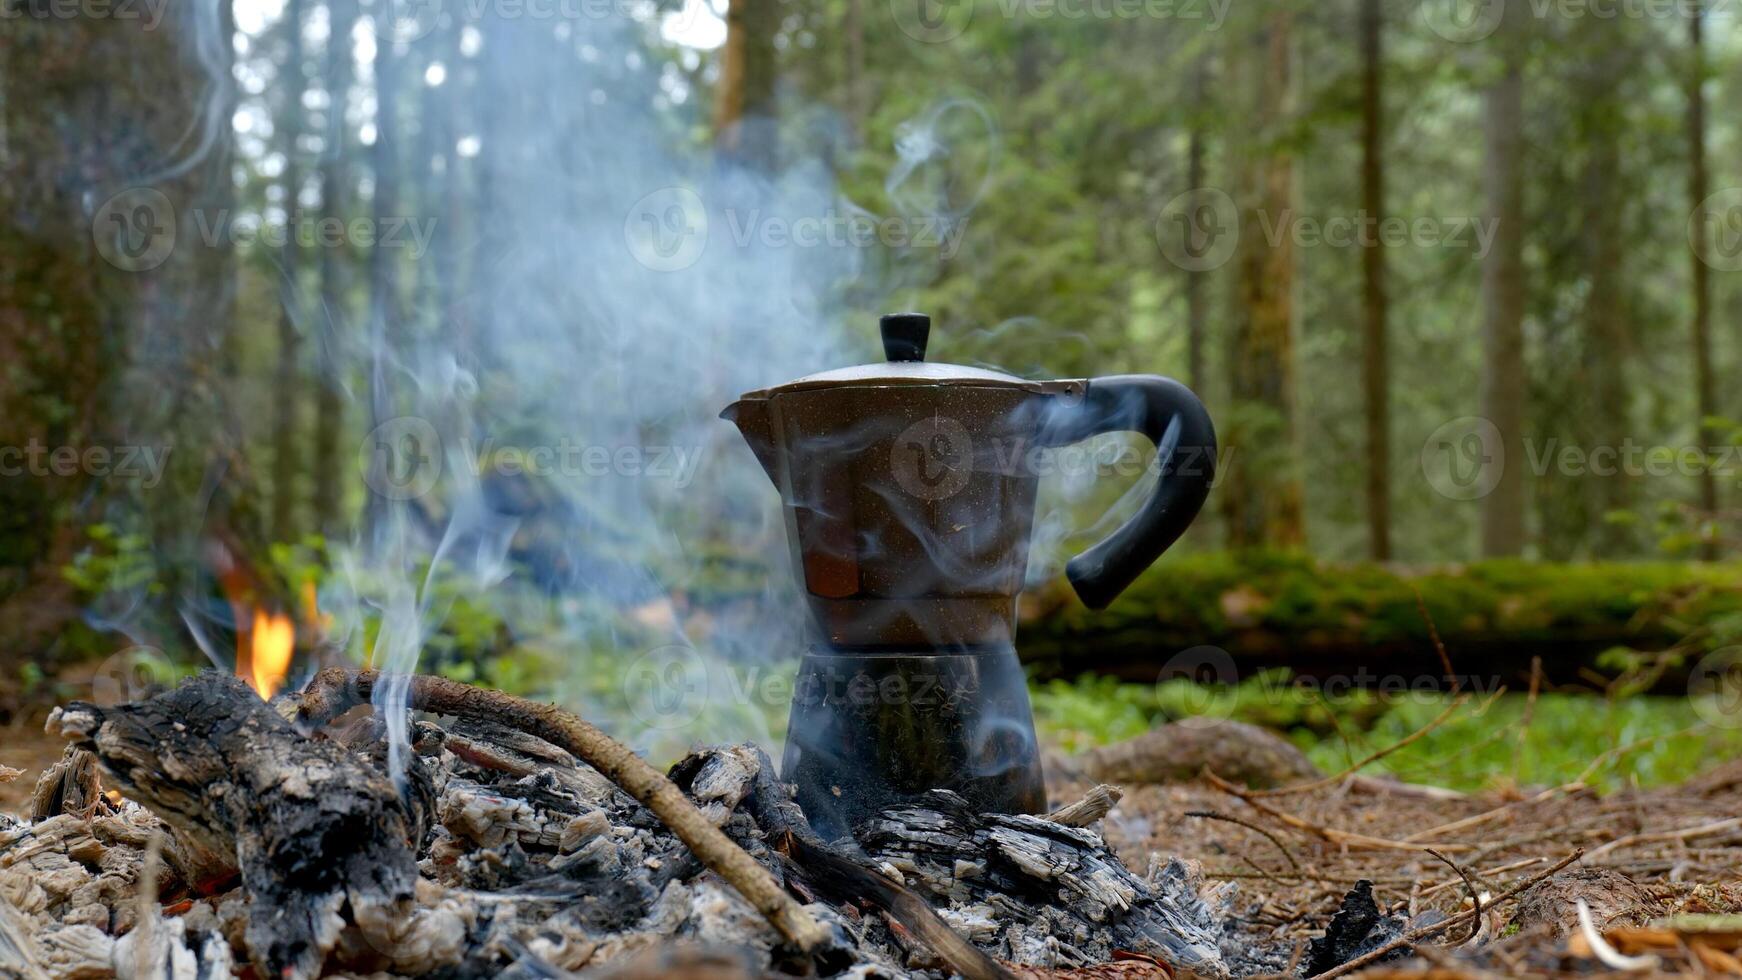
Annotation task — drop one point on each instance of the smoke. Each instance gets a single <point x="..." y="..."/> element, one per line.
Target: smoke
<point x="544" y="470"/>
<point x="559" y="457"/>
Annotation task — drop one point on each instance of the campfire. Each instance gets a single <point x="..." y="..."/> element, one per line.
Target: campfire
<point x="264" y="650"/>
<point x="275" y="837"/>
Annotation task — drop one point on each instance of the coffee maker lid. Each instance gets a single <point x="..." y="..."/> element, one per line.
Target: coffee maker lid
<point x="904" y="344"/>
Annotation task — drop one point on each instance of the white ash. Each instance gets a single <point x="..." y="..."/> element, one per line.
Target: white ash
<point x="535" y="865"/>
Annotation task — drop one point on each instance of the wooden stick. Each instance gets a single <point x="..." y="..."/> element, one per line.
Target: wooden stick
<point x="338" y="689"/>
<point x="1094" y="805"/>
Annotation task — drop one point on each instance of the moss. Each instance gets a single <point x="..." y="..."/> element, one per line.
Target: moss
<point x="1226" y="599"/>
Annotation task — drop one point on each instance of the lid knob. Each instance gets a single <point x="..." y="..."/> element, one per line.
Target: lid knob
<point x="904" y="336"/>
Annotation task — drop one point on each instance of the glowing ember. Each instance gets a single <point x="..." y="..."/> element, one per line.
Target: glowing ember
<point x="271" y="641"/>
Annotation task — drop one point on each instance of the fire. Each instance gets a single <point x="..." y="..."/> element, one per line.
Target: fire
<point x="270" y="642"/>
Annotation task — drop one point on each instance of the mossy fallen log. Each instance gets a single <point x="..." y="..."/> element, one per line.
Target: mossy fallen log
<point x="1316" y="618"/>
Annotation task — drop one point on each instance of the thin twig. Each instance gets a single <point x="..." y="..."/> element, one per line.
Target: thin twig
<point x="1414" y="736"/>
<point x="338" y="689"/>
<point x="1213" y="815"/>
<point x="1433" y="633"/>
<point x="1444" y="925"/>
<point x="1452" y="882"/>
<point x="1638" y="743"/>
<point x="1683" y="834"/>
<point x="1329" y="834"/>
<point x="1457" y="702"/>
<point x="1481" y="818"/>
<point x="1475" y="896"/>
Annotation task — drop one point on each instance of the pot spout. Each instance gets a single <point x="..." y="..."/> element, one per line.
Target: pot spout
<point x="756" y="424"/>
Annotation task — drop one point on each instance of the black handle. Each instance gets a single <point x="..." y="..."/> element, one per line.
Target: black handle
<point x="905" y="336"/>
<point x="1174" y="420"/>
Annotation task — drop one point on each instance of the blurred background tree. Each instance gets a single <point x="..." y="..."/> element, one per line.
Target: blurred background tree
<point x="1436" y="212"/>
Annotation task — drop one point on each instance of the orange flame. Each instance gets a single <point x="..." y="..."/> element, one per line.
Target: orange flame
<point x="271" y="641"/>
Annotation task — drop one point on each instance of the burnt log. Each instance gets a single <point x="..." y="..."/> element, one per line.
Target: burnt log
<point x="1033" y="891"/>
<point x="503" y="852"/>
<point x="317" y="836"/>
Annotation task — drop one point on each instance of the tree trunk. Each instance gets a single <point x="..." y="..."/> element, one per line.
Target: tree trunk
<point x="286" y="459"/>
<point x="384" y="301"/>
<point x="1502" y="382"/>
<point x="1375" y="371"/>
<point x="334" y="321"/>
<point x="1197" y="298"/>
<point x="1264" y="489"/>
<point x="1705" y="385"/>
<point x="452" y="322"/>
<point x="113" y="310"/>
<point x="858" y="98"/>
<point x="744" y="109"/>
<point x="1607" y="339"/>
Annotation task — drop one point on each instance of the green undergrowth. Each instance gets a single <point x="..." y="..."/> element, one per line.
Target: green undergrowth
<point x="1222" y="598"/>
<point x="1491" y="742"/>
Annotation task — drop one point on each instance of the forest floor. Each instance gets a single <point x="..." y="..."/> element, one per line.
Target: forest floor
<point x="1660" y="869"/>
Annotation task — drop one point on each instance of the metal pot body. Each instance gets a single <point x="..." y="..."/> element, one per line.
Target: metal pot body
<point x="872" y="730"/>
<point x="908" y="510"/>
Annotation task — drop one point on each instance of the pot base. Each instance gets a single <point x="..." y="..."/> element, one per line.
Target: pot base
<point x="871" y="730"/>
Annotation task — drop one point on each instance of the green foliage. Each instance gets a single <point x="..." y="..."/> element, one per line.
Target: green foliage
<point x="113" y="562"/>
<point x="1220" y="598"/>
<point x="1490" y="743"/>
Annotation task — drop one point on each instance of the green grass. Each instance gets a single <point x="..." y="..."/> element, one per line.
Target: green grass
<point x="1491" y="742"/>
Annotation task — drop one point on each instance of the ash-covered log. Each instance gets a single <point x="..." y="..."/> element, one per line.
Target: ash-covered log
<point x="508" y="853"/>
<point x="1031" y="890"/>
<point x="318" y="837"/>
